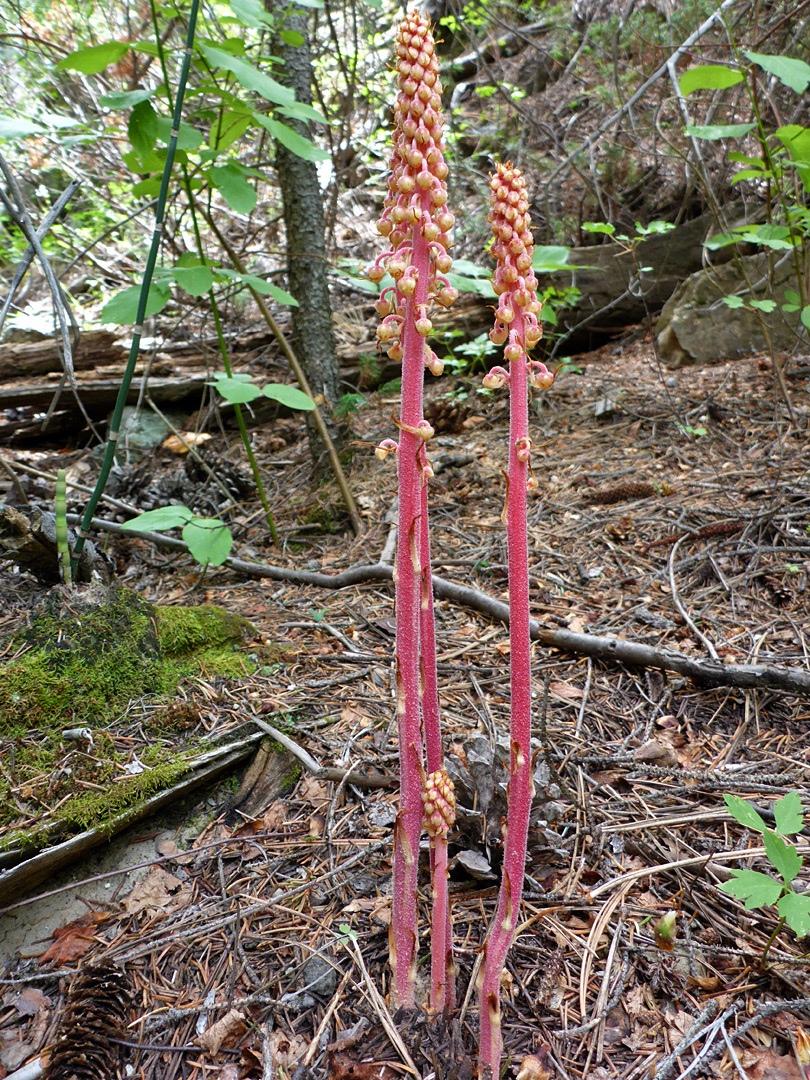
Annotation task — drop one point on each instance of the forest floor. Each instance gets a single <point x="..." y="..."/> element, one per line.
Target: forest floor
<point x="672" y="509"/>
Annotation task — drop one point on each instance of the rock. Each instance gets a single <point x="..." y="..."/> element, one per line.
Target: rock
<point x="318" y="976"/>
<point x="696" y="326"/>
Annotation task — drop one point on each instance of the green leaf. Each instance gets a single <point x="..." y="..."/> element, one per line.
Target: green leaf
<point x="794" y="908"/>
<point x="783" y="856"/>
<point x="734" y="155"/>
<point x="165" y="517"/>
<point x="230" y="125"/>
<point x="796" y="140"/>
<point x="250" y="77"/>
<point x="292" y="38"/>
<point x="123" y="308"/>
<point x="251" y="13"/>
<point x="747" y="174"/>
<point x="259" y="285"/>
<point x="95" y="58"/>
<point x="788" y="810"/>
<point x="297" y="144"/>
<point x="237" y="192"/>
<point x="209" y="540"/>
<point x="743" y="811"/>
<point x="142" y="128"/>
<point x="773" y="236"/>
<point x="195" y="280"/>
<point x="805" y="316"/>
<point x="289" y="396"/>
<point x="188" y="138"/>
<point x="13" y="127"/>
<point x="757" y="890"/>
<point x="479" y="286"/>
<point x="599" y="227"/>
<point x="787" y="69"/>
<point x="655" y="227"/>
<point x="764" y="305"/>
<point x="550" y="259"/>
<point x="125" y="99"/>
<point x="718" y="131"/>
<point x="792" y="298"/>
<point x="733" y="302"/>
<point x="709" y="77"/>
<point x="301" y="111"/>
<point x="237" y="391"/>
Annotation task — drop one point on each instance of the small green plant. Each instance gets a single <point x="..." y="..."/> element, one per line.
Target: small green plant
<point x="349" y="405"/>
<point x="209" y="539"/>
<point x="693" y="432"/>
<point x="761" y="890"/>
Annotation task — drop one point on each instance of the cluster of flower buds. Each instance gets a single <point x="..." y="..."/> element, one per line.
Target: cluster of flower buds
<point x="438" y="803"/>
<point x="517" y="323"/>
<point x="415" y="219"/>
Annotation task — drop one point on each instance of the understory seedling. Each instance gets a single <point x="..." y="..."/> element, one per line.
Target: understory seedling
<point x="761" y="890"/>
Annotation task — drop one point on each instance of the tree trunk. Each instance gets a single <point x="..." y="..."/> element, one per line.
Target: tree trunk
<point x="312" y="335"/>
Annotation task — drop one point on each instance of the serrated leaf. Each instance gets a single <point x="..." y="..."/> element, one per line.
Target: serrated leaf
<point x="794" y="908"/>
<point x="755" y="889"/>
<point x="787" y="69"/>
<point x="249" y="76"/>
<point x="195" y="280"/>
<point x="142" y="128"/>
<point x="295" y="143"/>
<point x="788" y="810"/>
<point x="739" y="809"/>
<point x="782" y="855"/>
<point x="289" y="396"/>
<point x="237" y="192"/>
<point x="733" y="302"/>
<point x="236" y="391"/>
<point x="764" y="305"/>
<point x="709" y="77"/>
<point x="718" y="131"/>
<point x="95" y="58"/>
<point x="13" y="127"/>
<point x="123" y="308"/>
<point x="164" y="517"/>
<point x="209" y="540"/>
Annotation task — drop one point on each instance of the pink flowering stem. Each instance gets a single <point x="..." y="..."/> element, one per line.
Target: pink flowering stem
<point x="516" y="323"/>
<point x="417" y="224"/>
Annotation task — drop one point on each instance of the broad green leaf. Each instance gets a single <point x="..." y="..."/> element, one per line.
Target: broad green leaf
<point x="237" y="391"/>
<point x="123" y="308"/>
<point x="600" y="227"/>
<point x="709" y="77"/>
<point x="297" y="144"/>
<point x="734" y="302"/>
<point x="772" y="236"/>
<point x="744" y="159"/>
<point x="209" y="540"/>
<point x="251" y="13"/>
<point x="195" y="280"/>
<point x="655" y="227"/>
<point x="748" y="174"/>
<point x="229" y="126"/>
<point x="153" y="162"/>
<point x="794" y="908"/>
<point x="142" y="128"/>
<point x="796" y="140"/>
<point x="757" y="890"/>
<point x="289" y="396"/>
<point x="292" y="38"/>
<point x="146" y="47"/>
<point x="94" y="59"/>
<point x="12" y="127"/>
<point x="165" y="517"/>
<point x="741" y="810"/>
<point x="549" y="259"/>
<point x="787" y="69"/>
<point x="471" y="269"/>
<point x="250" y="77"/>
<point x="149" y="187"/>
<point x="125" y="99"/>
<point x="721" y="240"/>
<point x="763" y="305"/>
<point x="788" y="810"/>
<point x="718" y="131"/>
<point x="299" y="110"/>
<point x="237" y="192"/>
<point x="783" y="855"/>
<point x="259" y="285"/>
<point x="188" y="138"/>
<point x="805" y="316"/>
<point x="57" y="120"/>
<point x="479" y="286"/>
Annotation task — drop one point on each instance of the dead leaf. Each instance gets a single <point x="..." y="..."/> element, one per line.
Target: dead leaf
<point x="231" y="1026"/>
<point x="314" y="791"/>
<point x="159" y="891"/>
<point x="347" y="1067"/>
<point x="29" y="1001"/>
<point x="765" y="1065"/>
<point x="285" y="1050"/>
<point x="565" y="691"/>
<point x="275" y="816"/>
<point x="71" y="942"/>
<point x="656" y="753"/>
<point x="537" y="1066"/>
<point x="189" y="438"/>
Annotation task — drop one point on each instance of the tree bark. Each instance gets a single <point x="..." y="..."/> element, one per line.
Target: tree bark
<point x="312" y="335"/>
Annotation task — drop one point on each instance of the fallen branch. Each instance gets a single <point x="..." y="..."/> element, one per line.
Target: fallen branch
<point x="703" y="672"/>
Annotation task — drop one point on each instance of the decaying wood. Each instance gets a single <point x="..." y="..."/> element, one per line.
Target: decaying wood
<point x="95" y="348"/>
<point x="100" y="394"/>
<point x="619" y="650"/>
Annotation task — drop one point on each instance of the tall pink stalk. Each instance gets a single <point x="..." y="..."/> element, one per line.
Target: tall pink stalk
<point x="417" y="224"/>
<point x="516" y="324"/>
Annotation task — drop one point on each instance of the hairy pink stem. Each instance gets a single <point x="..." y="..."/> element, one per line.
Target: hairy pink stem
<point x="516" y="322"/>
<point x="417" y="224"/>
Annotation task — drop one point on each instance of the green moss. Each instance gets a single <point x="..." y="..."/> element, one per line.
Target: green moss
<point x="95" y="807"/>
<point x="181" y="630"/>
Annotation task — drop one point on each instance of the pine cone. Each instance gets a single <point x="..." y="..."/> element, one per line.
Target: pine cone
<point x="95" y="1014"/>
